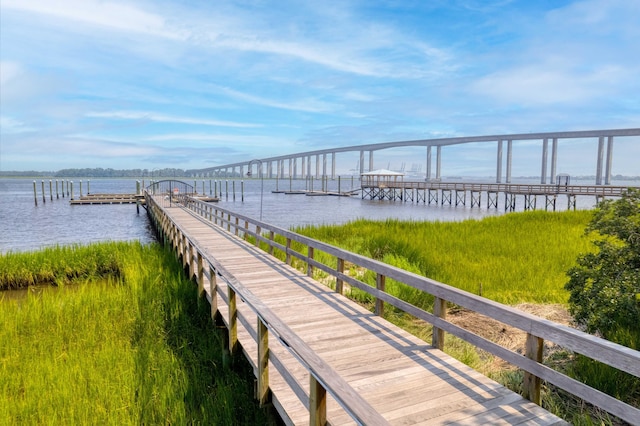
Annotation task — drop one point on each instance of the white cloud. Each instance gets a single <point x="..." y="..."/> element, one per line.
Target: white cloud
<point x="118" y="16"/>
<point x="582" y="54"/>
<point x="543" y="85"/>
<point x="8" y="71"/>
<point x="306" y="105"/>
<point x="9" y="125"/>
<point x="162" y="118"/>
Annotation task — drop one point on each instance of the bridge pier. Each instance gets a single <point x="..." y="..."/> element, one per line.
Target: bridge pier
<point x="499" y="162"/>
<point x="543" y="173"/>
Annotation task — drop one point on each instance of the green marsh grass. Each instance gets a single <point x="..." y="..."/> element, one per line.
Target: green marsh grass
<point x="132" y="347"/>
<point x="512" y="258"/>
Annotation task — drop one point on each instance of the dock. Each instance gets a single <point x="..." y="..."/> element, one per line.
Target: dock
<point x="108" y="199"/>
<point x="461" y="193"/>
<point x="320" y="358"/>
<point x="90" y="199"/>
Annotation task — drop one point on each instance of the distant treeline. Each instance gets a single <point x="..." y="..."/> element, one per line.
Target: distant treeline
<point x="171" y="173"/>
<point x="100" y="173"/>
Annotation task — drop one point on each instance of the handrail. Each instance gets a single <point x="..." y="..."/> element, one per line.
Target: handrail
<point x="537" y="329"/>
<point x="350" y="400"/>
<point x="520" y="188"/>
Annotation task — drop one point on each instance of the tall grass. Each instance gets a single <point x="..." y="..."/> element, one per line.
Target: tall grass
<point x="61" y="264"/>
<point x="513" y="258"/>
<point x="135" y="347"/>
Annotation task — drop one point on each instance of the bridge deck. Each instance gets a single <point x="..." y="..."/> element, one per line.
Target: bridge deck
<point x="402" y="377"/>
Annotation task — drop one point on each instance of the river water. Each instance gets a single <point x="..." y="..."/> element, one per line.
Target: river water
<point x="25" y="226"/>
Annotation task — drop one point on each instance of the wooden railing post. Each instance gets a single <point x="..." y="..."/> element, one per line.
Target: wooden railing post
<point x="200" y="275"/>
<point x="228" y="222"/>
<point x="237" y="225"/>
<point x="233" y="322"/>
<point x="244" y="231"/>
<point x="532" y="383"/>
<point x="439" y="310"/>
<point x="263" y="395"/>
<point x="213" y="289"/>
<point x="258" y="232"/>
<point x="184" y="251"/>
<point x="317" y="403"/>
<point x="309" y="258"/>
<point x="340" y="269"/>
<point x="271" y="238"/>
<point x="192" y="271"/>
<point x="380" y="285"/>
<point x="288" y="255"/>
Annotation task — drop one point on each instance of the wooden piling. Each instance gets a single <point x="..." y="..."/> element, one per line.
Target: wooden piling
<point x="57" y="193"/>
<point x="44" y="199"/>
<point x="80" y="188"/>
<point x="51" y="189"/>
<point x="71" y="182"/>
<point x="35" y="193"/>
<point x="242" y="190"/>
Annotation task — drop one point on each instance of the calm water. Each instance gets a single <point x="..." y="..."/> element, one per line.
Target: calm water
<point x="25" y="226"/>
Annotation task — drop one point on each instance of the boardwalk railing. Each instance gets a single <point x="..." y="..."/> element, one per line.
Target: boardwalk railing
<point x="277" y="240"/>
<point x="323" y="378"/>
<point x="376" y="187"/>
<point x="516" y="188"/>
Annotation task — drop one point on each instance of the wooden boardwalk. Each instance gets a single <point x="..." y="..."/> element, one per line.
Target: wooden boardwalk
<point x="382" y="188"/>
<point x="404" y="379"/>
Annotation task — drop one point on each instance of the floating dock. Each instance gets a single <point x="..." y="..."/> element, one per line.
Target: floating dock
<point x="108" y="199"/>
<point x="125" y="199"/>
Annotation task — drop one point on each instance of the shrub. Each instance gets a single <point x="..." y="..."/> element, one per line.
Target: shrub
<point x="604" y="286"/>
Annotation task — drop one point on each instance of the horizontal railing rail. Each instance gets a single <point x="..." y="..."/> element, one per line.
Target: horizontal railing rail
<point x="537" y="329"/>
<point x="323" y="378"/>
<point x="596" y="190"/>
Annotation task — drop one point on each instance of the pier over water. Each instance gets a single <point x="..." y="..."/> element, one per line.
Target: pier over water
<point x="319" y="357"/>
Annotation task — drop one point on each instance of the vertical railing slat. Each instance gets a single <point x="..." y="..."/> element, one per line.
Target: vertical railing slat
<point x="380" y="285"/>
<point x="532" y="383"/>
<point x="340" y="269"/>
<point x="213" y="289"/>
<point x="233" y="321"/>
<point x="263" y="395"/>
<point x="317" y="403"/>
<point x="200" y="275"/>
<point x="309" y="259"/>
<point x="439" y="310"/>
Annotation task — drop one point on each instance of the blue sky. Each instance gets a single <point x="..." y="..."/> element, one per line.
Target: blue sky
<point x="193" y="84"/>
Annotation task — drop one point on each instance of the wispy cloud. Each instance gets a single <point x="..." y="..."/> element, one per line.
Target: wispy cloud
<point x="307" y="105"/>
<point x="118" y="16"/>
<point x="162" y="118"/>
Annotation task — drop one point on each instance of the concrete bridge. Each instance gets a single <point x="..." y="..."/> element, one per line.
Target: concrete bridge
<point x="321" y="163"/>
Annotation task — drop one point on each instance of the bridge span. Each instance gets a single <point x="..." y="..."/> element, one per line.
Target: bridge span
<point x="320" y="358"/>
<point x="316" y="163"/>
